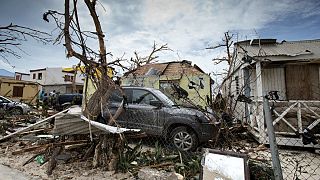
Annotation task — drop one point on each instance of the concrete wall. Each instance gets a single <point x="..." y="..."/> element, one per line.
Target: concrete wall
<point x="52" y="76"/>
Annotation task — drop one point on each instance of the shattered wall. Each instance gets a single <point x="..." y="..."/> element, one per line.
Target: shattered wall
<point x="198" y="87"/>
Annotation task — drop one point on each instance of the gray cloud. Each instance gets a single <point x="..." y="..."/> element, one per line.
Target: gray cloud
<point x="188" y="26"/>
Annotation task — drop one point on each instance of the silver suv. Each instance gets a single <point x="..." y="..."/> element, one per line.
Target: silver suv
<point x="13" y="107"/>
<point x="154" y="113"/>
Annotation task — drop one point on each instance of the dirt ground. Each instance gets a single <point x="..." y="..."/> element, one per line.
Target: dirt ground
<point x="80" y="170"/>
<point x="296" y="164"/>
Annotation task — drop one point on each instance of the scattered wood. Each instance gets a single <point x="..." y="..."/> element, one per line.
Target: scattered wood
<point x="53" y="162"/>
<point x="32" y="126"/>
<point x="89" y="151"/>
<point x="75" y="146"/>
<point x="29" y="149"/>
<point x="35" y="131"/>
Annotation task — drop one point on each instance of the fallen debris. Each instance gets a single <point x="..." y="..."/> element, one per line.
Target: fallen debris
<point x="32" y="126"/>
<point x="148" y="173"/>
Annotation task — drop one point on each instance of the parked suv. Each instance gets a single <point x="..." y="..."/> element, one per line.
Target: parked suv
<point x="13" y="107"/>
<point x="154" y="113"/>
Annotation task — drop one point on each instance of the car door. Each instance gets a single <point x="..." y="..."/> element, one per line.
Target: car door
<point x="114" y="103"/>
<point x="141" y="114"/>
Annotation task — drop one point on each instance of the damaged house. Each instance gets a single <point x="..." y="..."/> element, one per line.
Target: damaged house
<point x="177" y="79"/>
<point x="288" y="72"/>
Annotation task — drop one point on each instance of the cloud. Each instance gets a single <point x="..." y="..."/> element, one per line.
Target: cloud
<point x="188" y="26"/>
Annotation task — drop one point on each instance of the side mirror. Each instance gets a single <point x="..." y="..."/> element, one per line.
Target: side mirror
<point x="156" y="103"/>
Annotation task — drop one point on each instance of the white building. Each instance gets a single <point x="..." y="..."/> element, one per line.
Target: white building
<point x="57" y="79"/>
<point x="22" y="76"/>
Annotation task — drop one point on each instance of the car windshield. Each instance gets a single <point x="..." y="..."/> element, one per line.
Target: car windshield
<point x="164" y="97"/>
<point x="4" y="100"/>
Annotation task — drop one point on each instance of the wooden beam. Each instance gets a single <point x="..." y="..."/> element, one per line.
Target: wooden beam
<point x="304" y="104"/>
<point x="32" y="126"/>
<point x="299" y="118"/>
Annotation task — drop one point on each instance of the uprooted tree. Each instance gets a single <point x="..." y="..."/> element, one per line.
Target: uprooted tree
<point x="96" y="69"/>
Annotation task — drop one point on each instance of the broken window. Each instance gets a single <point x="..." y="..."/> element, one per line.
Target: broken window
<point x="34" y="76"/>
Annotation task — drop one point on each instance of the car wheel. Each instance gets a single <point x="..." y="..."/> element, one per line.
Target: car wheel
<point x="16" y="111"/>
<point x="184" y="138"/>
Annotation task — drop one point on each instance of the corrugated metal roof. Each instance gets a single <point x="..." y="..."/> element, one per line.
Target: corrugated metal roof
<point x="291" y="49"/>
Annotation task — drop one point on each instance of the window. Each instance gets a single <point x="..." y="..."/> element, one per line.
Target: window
<point x="34" y="76"/>
<point x="142" y="97"/>
<point x="68" y="78"/>
<point x="116" y="96"/>
<point x="18" y="77"/>
<point x="17" y="91"/>
<point x="39" y="76"/>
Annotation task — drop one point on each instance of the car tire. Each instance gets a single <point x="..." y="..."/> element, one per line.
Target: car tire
<point x="16" y="111"/>
<point x="183" y="138"/>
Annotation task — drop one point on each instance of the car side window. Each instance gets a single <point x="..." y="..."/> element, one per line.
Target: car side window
<point x="142" y="97"/>
<point x="116" y="96"/>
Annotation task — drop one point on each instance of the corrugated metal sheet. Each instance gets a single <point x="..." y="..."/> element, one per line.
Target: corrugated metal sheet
<point x="290" y="48"/>
<point x="71" y="123"/>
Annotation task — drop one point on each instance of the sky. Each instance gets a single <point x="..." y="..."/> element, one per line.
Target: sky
<point x="187" y="26"/>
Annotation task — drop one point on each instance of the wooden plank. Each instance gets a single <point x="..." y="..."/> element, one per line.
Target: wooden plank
<point x="303" y="82"/>
<point x="299" y="118"/>
<point x="259" y="80"/>
<point x="305" y="105"/>
<point x="33" y="125"/>
<point x="312" y="125"/>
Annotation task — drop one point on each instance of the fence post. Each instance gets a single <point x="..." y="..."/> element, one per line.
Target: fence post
<point x="272" y="141"/>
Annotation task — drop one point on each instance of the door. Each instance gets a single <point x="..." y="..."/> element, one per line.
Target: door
<point x="140" y="113"/>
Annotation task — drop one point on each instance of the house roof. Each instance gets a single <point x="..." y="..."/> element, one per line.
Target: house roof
<point x="168" y="68"/>
<point x="22" y="73"/>
<point x="35" y="70"/>
<point x="13" y="81"/>
<point x="309" y="49"/>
